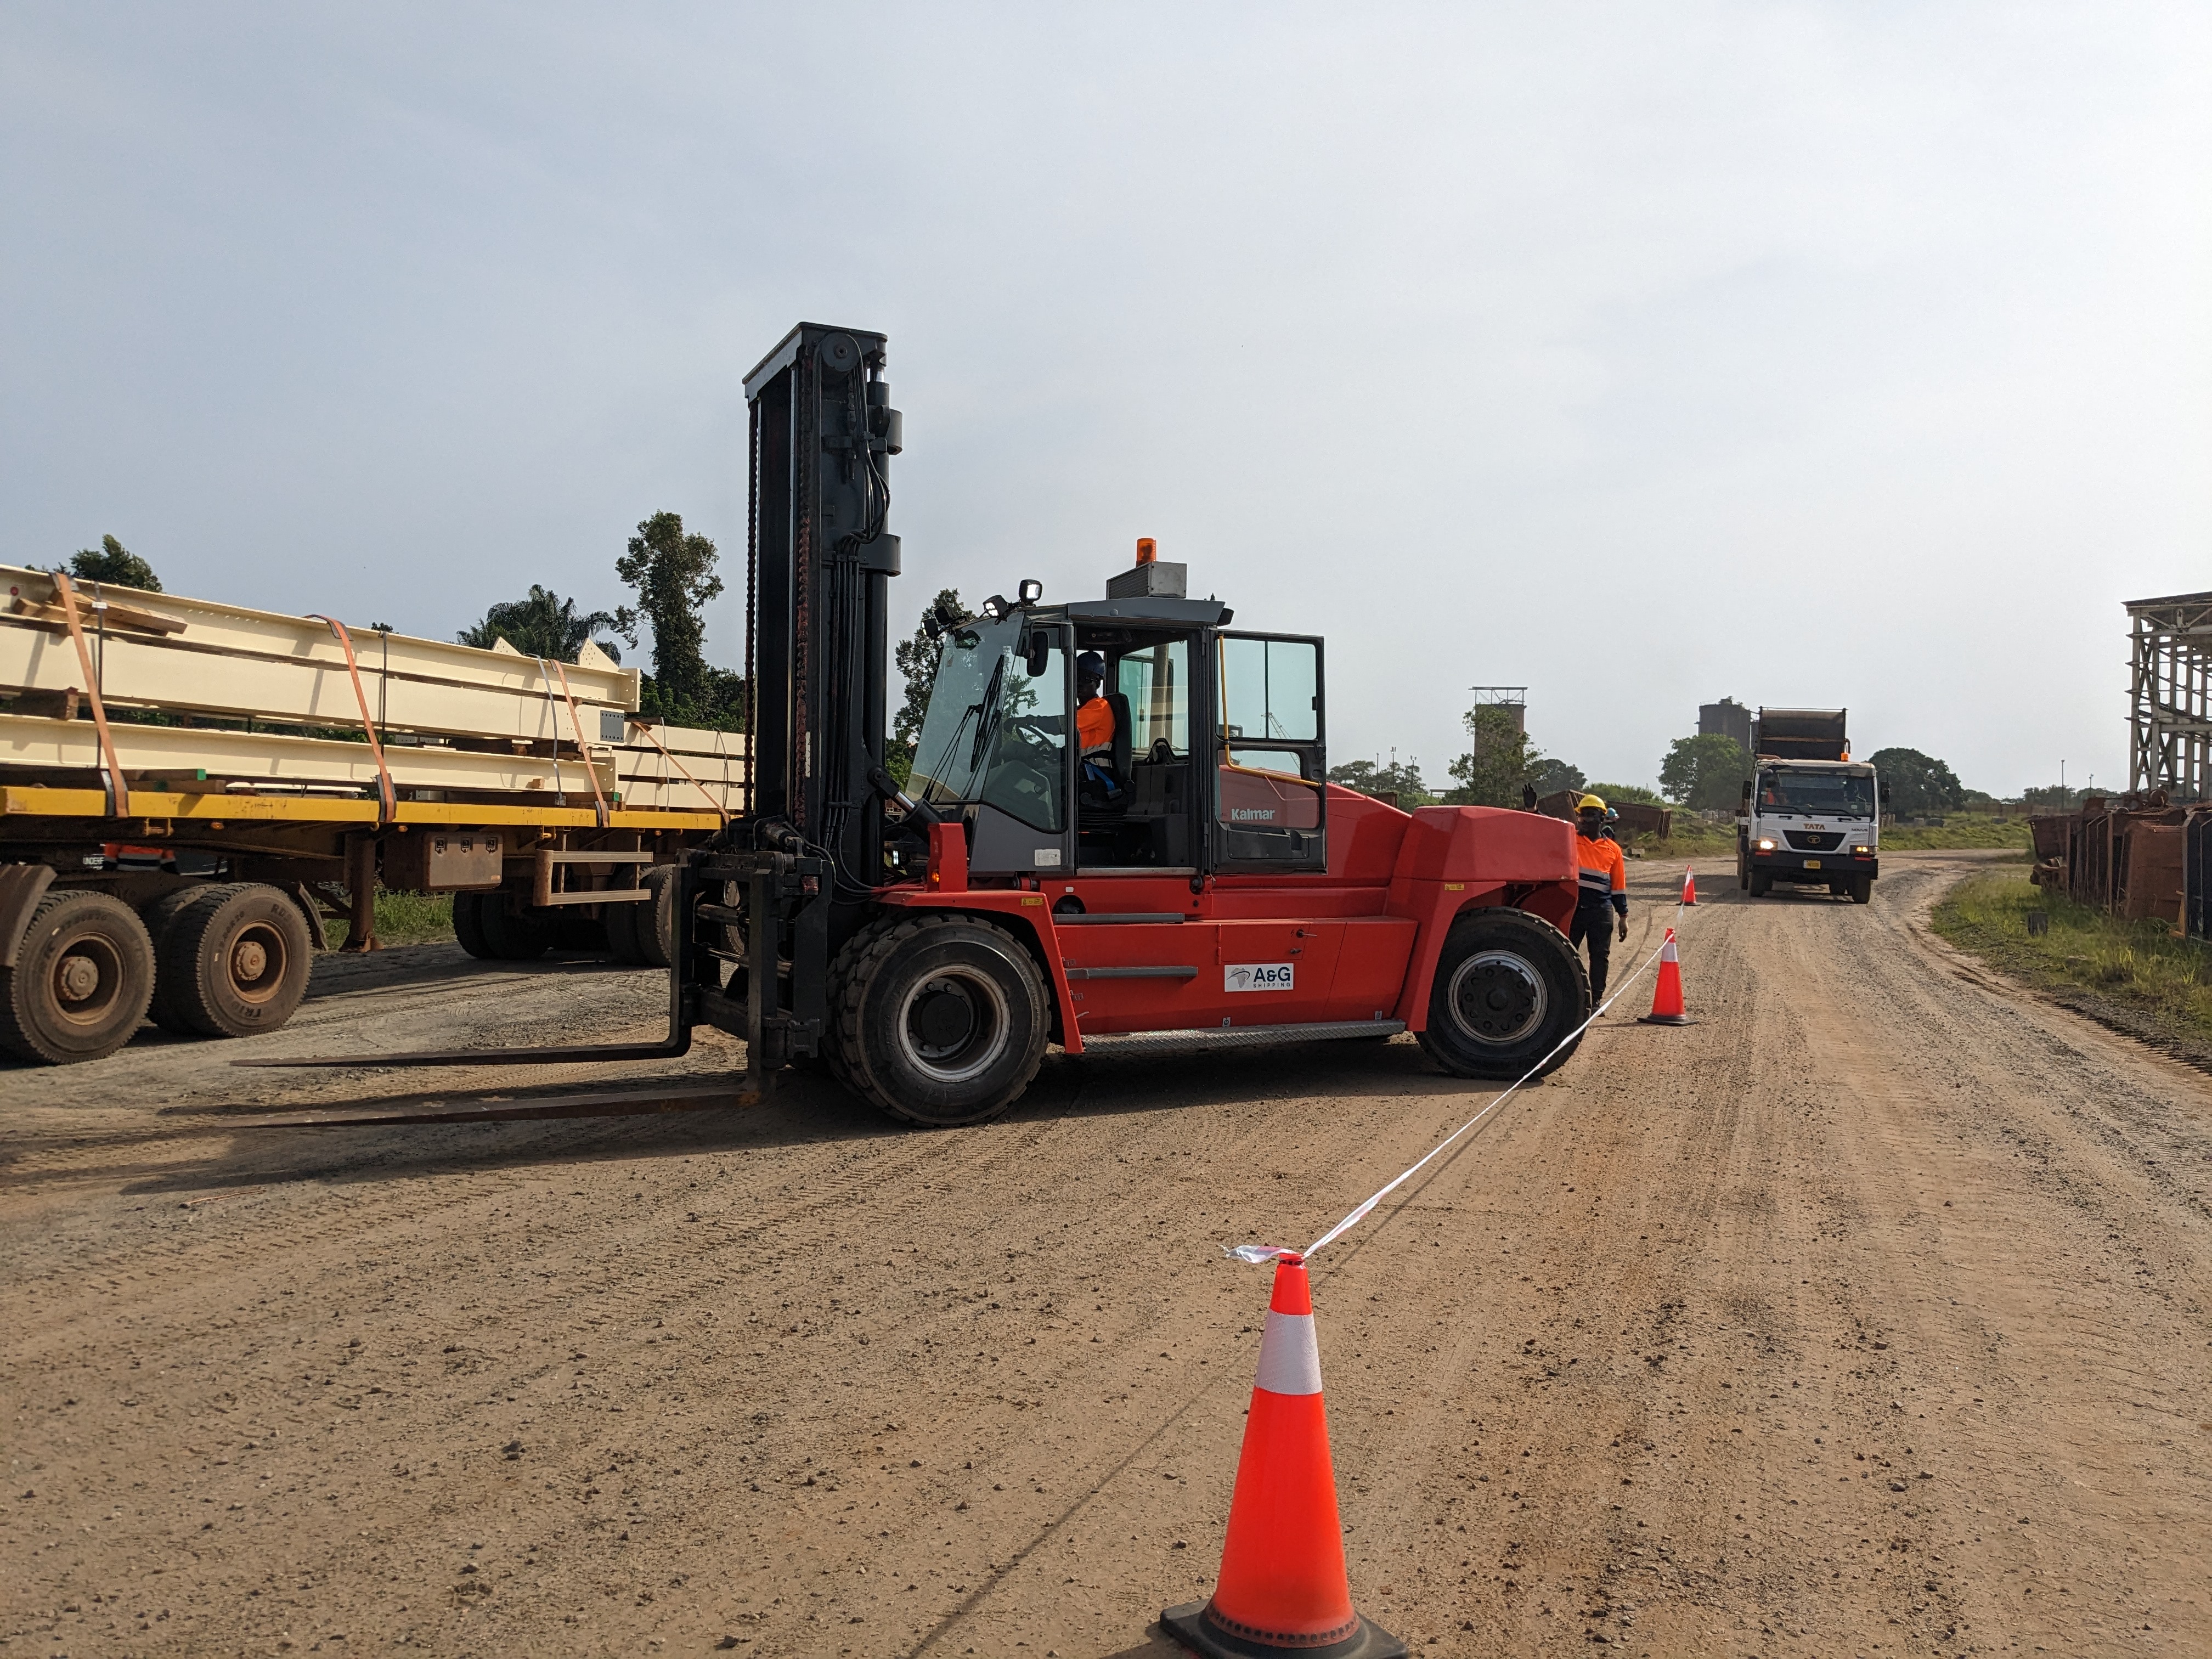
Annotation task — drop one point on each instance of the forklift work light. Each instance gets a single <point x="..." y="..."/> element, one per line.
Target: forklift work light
<point x="1030" y="591"/>
<point x="995" y="606"/>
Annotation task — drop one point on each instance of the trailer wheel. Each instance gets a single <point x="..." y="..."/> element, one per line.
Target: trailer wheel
<point x="235" y="962"/>
<point x="1509" y="988"/>
<point x="623" y="943"/>
<point x="83" y="975"/>
<point x="658" y="917"/>
<point x="1861" y="890"/>
<point x="512" y="938"/>
<point x="468" y="923"/>
<point x="939" y="1020"/>
<point x="160" y="917"/>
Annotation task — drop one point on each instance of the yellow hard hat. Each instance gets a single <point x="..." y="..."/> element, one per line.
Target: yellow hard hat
<point x="1589" y="803"/>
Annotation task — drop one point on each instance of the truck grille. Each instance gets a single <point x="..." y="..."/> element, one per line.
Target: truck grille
<point x="1807" y="841"/>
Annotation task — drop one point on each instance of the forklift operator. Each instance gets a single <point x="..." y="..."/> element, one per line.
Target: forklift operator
<point x="1602" y="892"/>
<point x="1094" y="732"/>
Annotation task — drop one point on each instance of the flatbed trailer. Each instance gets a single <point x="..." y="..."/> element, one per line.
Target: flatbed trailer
<point x="163" y="850"/>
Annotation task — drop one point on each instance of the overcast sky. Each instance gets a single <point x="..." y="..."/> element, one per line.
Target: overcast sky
<point x="1818" y="355"/>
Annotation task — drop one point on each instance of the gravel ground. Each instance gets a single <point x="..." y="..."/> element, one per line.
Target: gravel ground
<point x="1865" y="1316"/>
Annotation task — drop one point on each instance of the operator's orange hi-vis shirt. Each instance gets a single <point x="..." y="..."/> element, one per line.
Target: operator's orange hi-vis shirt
<point x="1602" y="873"/>
<point x="1094" y="726"/>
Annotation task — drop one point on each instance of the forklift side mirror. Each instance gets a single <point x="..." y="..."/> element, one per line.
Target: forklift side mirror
<point x="1037" y="654"/>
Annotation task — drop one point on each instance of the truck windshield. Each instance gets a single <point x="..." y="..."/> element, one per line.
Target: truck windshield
<point x="991" y="732"/>
<point x="1820" y="795"/>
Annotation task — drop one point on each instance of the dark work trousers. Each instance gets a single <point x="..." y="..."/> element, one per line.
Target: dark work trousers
<point x="1595" y="923"/>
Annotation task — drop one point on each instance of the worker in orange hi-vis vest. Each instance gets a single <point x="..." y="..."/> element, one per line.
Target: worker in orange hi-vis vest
<point x="1094" y="733"/>
<point x="1602" y="897"/>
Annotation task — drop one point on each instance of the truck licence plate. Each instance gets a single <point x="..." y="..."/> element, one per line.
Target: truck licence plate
<point x="1812" y="864"/>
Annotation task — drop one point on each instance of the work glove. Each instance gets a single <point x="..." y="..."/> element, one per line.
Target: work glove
<point x="1623" y="934"/>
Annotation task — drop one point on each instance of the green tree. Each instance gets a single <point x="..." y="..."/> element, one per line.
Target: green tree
<point x="1400" y="778"/>
<point x="1920" y="785"/>
<point x="672" y="573"/>
<point x="1500" y="758"/>
<point x="2051" y="797"/>
<point x="1553" y="774"/>
<point x="542" y="625"/>
<point x="114" y="562"/>
<point x="1613" y="793"/>
<point x="1706" y="772"/>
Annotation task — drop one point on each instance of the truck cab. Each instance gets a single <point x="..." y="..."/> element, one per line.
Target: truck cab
<point x="1810" y="824"/>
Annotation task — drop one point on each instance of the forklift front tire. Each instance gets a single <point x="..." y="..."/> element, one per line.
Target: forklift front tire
<point x="940" y="1020"/>
<point x="1509" y="988"/>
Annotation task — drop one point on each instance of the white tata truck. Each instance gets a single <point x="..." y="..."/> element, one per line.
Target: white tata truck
<point x="1810" y="815"/>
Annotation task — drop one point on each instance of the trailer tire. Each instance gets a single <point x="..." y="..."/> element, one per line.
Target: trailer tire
<point x="939" y="1020"/>
<point x="235" y="962"/>
<point x="1761" y="884"/>
<point x="83" y="975"/>
<point x="656" y="920"/>
<point x="1508" y="991"/>
<point x="468" y="923"/>
<point x="623" y="943"/>
<point x="160" y="917"/>
<point x="1861" y="890"/>
<point x="513" y="938"/>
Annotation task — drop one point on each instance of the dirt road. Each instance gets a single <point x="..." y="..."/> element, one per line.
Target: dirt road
<point x="1866" y="1315"/>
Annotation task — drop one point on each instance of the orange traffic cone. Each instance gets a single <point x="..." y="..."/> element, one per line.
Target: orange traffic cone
<point x="1666" y="995"/>
<point x="1689" y="888"/>
<point x="1283" y="1588"/>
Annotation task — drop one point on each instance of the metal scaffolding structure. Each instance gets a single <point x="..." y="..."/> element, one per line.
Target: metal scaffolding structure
<point x="2170" y="696"/>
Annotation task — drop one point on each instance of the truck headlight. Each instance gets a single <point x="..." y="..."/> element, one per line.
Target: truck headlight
<point x="1765" y="846"/>
<point x="1862" y="851"/>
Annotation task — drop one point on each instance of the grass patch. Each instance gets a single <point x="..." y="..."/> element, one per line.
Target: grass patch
<point x="2142" y="965"/>
<point x="402" y="918"/>
<point x="1960" y="833"/>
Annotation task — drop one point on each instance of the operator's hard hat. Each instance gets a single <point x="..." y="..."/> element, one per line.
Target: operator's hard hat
<point x="1589" y="803"/>
<point x="1090" y="666"/>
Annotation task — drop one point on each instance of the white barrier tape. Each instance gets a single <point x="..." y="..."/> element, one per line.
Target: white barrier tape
<point x="1261" y="1254"/>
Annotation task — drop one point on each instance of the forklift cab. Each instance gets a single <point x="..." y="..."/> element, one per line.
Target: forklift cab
<point x="1217" y="761"/>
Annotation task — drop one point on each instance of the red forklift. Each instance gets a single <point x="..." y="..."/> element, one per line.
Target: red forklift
<point x="1193" y="873"/>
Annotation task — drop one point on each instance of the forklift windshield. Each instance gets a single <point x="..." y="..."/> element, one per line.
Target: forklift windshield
<point x="1822" y="793"/>
<point x="991" y="732"/>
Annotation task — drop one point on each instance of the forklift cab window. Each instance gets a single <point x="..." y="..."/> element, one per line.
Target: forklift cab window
<point x="1271" y="769"/>
<point x="991" y="732"/>
<point x="1155" y="679"/>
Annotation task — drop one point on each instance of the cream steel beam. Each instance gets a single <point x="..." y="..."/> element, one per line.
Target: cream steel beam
<point x="29" y="742"/>
<point x="226" y="659"/>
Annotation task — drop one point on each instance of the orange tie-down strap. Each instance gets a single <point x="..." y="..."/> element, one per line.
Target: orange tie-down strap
<point x="583" y="753"/>
<point x="118" y="790"/>
<point x="387" y="797"/>
<point x="718" y="808"/>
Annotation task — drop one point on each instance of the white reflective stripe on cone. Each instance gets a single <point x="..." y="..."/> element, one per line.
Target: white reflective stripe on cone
<point x="1668" y="953"/>
<point x="1289" y="1358"/>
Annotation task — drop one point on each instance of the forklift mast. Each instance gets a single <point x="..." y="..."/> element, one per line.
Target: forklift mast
<point x="818" y="563"/>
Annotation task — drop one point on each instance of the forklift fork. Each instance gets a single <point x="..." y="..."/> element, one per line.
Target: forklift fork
<point x="776" y="882"/>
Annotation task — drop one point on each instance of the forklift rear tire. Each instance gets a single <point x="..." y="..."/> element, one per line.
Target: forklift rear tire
<point x="468" y="923"/>
<point x="83" y="975"/>
<point x="234" y="962"/>
<point x="939" y="1020"/>
<point x="1509" y="988"/>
